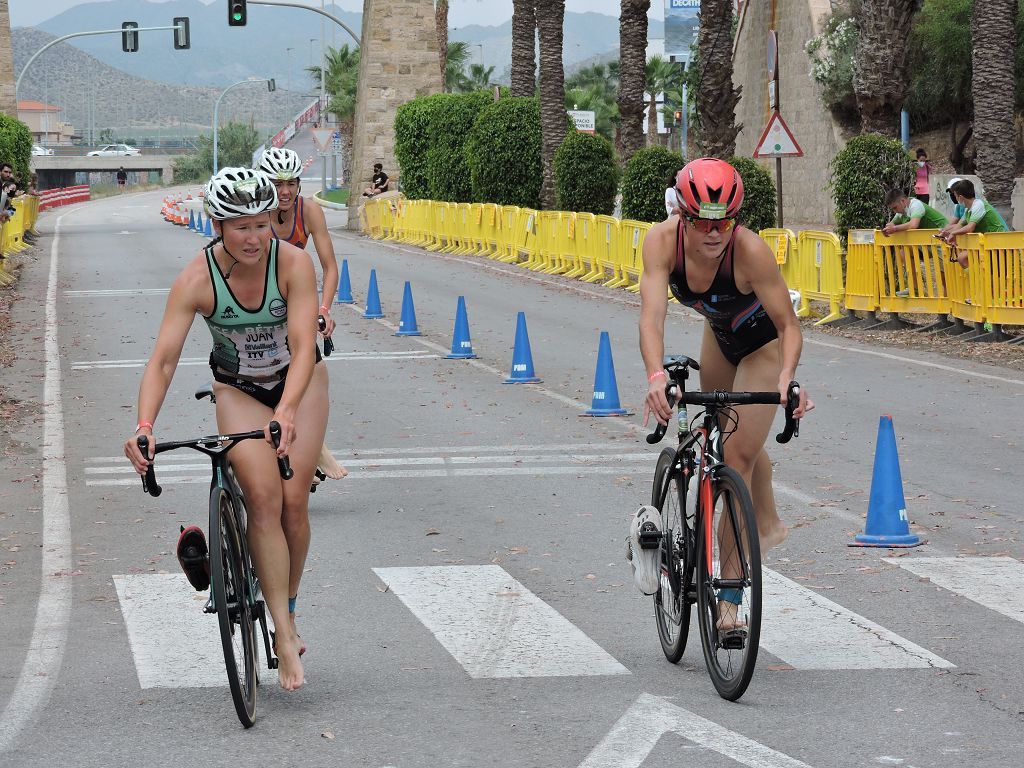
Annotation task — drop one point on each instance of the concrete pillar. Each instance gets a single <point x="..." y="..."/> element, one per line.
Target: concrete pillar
<point x="397" y="62"/>
<point x="7" y="78"/>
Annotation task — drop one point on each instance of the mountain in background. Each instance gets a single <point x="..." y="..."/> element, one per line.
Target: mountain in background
<point x="221" y="54"/>
<point x="75" y="80"/>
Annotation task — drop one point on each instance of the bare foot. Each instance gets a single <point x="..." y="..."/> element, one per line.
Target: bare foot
<point x="295" y="629"/>
<point x="773" y="536"/>
<point x="289" y="671"/>
<point x="728" y="617"/>
<point x="330" y="465"/>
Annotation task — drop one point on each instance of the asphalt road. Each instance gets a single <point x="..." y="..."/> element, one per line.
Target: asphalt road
<point x="467" y="601"/>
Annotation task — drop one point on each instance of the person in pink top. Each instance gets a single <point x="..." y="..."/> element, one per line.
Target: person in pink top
<point x="923" y="169"/>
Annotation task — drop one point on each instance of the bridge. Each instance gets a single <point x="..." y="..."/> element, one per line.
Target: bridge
<point x="60" y="170"/>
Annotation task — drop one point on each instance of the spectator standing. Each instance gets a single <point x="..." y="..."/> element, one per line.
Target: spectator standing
<point x="122" y="178"/>
<point x="922" y="182"/>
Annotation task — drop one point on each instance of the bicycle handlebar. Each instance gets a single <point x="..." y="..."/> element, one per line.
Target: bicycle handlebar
<point x="149" y="484"/>
<point x="723" y="399"/>
<point x="328" y="344"/>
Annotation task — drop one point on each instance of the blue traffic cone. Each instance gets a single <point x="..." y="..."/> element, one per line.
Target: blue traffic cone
<point x="209" y="228"/>
<point x="606" y="390"/>
<point x="887" y="524"/>
<point x="407" y="323"/>
<point x="191" y="220"/>
<point x="199" y="223"/>
<point x="522" y="358"/>
<point x="373" y="309"/>
<point x="344" y="285"/>
<point x="462" y="346"/>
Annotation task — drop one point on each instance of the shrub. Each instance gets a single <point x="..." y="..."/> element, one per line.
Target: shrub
<point x="586" y="174"/>
<point x="861" y="175"/>
<point x="759" y="203"/>
<point x="448" y="176"/>
<point x="832" y="56"/>
<point x="16" y="146"/>
<point x="412" y="141"/>
<point x="503" y="153"/>
<point x="644" y="182"/>
<point x="235" y="144"/>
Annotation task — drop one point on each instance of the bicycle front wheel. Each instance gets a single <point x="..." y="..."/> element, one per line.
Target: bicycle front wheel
<point x="671" y="606"/>
<point x="230" y="585"/>
<point x="729" y="583"/>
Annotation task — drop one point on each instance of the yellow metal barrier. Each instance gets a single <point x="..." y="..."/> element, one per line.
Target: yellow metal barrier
<point x="861" y="275"/>
<point x="547" y="241"/>
<point x="527" y="238"/>
<point x="606" y="243"/>
<point x="588" y="248"/>
<point x="508" y="234"/>
<point x="819" y="273"/>
<point x="966" y="285"/>
<point x="784" y="245"/>
<point x="1003" y="281"/>
<point x="563" y="245"/>
<point x="631" y="246"/>
<point x="912" y="268"/>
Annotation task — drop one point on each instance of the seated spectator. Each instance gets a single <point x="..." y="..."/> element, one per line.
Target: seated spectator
<point x="911" y="214"/>
<point x="379" y="182"/>
<point x="979" y="217"/>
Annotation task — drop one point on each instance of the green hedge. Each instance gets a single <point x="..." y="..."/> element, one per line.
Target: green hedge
<point x="759" y="203"/>
<point x="16" y="146"/>
<point x="861" y="175"/>
<point x="586" y="174"/>
<point x="644" y="182"/>
<point x="412" y="142"/>
<point x="503" y="153"/>
<point x="448" y="176"/>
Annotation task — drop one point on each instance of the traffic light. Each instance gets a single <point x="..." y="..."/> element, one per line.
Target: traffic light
<point x="237" y="15"/>
<point x="181" y="35"/>
<point x="679" y="116"/>
<point x="129" y="37"/>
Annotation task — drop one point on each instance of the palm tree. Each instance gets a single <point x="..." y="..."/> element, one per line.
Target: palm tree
<point x="455" y="65"/>
<point x="881" y="68"/>
<point x="553" y="121"/>
<point x="632" y="58"/>
<point x="340" y="81"/>
<point x="441" y="28"/>
<point x="478" y="78"/>
<point x="524" y="47"/>
<point x="662" y="77"/>
<point x="993" y="37"/>
<point x="716" y="95"/>
<point x="602" y="103"/>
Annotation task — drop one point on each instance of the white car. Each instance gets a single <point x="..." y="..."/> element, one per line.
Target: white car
<point x="37" y="150"/>
<point x="111" y="150"/>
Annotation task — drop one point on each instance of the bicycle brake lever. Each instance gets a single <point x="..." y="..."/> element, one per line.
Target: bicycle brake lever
<point x="149" y="484"/>
<point x="659" y="431"/>
<point x="283" y="465"/>
<point x="792" y="428"/>
<point x="328" y="344"/>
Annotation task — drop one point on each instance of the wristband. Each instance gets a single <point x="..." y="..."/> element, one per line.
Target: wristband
<point x="324" y="309"/>
<point x="144" y="425"/>
<point x="653" y="376"/>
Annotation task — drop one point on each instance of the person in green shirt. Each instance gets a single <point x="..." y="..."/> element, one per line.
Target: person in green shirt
<point x="911" y="213"/>
<point x="979" y="216"/>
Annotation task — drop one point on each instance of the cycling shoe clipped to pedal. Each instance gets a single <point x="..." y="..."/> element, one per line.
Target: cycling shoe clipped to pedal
<point x="193" y="555"/>
<point x="644" y="548"/>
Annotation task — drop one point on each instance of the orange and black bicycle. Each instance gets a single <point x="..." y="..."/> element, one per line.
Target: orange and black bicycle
<point x="710" y="554"/>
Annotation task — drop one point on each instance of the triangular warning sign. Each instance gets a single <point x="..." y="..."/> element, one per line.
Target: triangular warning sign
<point x="777" y="140"/>
<point x="322" y="137"/>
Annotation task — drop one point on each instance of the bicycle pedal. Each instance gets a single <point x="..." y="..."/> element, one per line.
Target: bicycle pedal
<point x="733" y="639"/>
<point x="649" y="537"/>
<point x="208" y="608"/>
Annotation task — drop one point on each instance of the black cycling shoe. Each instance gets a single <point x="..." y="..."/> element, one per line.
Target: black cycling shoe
<point x="194" y="557"/>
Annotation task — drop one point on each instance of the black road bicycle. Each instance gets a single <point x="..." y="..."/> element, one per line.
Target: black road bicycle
<point x="234" y="588"/>
<point x="710" y="554"/>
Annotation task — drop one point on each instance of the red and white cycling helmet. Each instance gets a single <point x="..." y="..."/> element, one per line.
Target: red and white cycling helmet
<point x="709" y="188"/>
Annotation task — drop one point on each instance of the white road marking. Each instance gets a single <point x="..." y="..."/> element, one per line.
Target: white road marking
<point x="174" y="644"/>
<point x="335" y="358"/>
<point x="994" y="582"/>
<point x="111" y="292"/>
<point x="635" y="735"/>
<point x="494" y="626"/>
<point x="49" y="633"/>
<point x="809" y="631"/>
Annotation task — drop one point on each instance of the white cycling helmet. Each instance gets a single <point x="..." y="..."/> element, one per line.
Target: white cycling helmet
<point x="236" y="192"/>
<point x="952" y="181"/>
<point x="281" y="164"/>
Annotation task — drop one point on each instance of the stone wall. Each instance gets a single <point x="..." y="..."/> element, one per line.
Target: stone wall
<point x="7" y="78"/>
<point x="397" y="62"/>
<point x="805" y="195"/>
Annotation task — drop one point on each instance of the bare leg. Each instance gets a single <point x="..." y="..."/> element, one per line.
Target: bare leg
<point x="329" y="465"/>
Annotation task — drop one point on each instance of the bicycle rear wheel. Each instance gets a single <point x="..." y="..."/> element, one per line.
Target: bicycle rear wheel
<point x="729" y="558"/>
<point x="671" y="606"/>
<point x="230" y="585"/>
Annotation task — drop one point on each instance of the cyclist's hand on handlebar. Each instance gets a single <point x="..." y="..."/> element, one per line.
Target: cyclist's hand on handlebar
<point x="287" y="421"/>
<point x="806" y="404"/>
<point x="134" y="455"/>
<point x="656" y="403"/>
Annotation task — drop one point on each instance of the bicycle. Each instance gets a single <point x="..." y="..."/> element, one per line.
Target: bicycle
<point x="709" y="550"/>
<point x="234" y="588"/>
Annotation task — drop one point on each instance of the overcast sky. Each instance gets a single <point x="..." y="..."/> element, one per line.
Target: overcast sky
<point x="462" y="12"/>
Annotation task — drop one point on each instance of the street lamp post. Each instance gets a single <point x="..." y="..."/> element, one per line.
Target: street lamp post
<point x="481" y="47"/>
<point x="216" y="112"/>
<point x="311" y="41"/>
<point x="288" y="51"/>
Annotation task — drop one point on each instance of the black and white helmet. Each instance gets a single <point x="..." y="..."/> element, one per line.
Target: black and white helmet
<point x="235" y="192"/>
<point x="282" y="164"/>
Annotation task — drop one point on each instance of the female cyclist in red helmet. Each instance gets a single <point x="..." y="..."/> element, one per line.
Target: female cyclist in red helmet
<point x="751" y="340"/>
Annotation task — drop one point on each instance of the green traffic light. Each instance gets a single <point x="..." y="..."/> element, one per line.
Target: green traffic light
<point x="237" y="16"/>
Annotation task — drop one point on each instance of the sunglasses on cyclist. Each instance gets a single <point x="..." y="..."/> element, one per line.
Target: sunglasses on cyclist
<point x="711" y="225"/>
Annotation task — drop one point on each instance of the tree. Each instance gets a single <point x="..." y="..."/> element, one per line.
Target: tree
<point x="632" y="58"/>
<point x="553" y="122"/>
<point x="441" y="28"/>
<point x="716" y="96"/>
<point x="662" y="77"/>
<point x="455" y="66"/>
<point x="596" y="100"/>
<point x="478" y="79"/>
<point x="235" y="144"/>
<point x="340" y="81"/>
<point x="882" y="61"/>
<point x="994" y="35"/>
<point x="524" y="47"/>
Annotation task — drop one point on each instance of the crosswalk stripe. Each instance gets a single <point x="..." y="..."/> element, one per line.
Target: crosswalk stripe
<point x="493" y="625"/>
<point x="994" y="582"/>
<point x="175" y="644"/>
<point x="809" y="631"/>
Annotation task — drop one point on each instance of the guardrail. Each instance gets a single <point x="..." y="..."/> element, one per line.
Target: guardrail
<point x="905" y="273"/>
<point x="52" y="198"/>
<point x="12" y="233"/>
